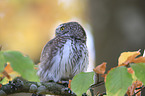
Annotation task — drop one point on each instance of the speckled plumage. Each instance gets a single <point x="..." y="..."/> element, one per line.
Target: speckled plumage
<point x="66" y="55"/>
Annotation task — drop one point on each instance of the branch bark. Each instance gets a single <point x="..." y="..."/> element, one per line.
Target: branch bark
<point x="19" y="85"/>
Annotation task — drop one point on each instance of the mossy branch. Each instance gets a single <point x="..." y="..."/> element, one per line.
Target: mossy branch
<point x="19" y="85"/>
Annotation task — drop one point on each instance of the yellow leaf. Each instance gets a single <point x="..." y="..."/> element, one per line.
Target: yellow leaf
<point x="14" y="74"/>
<point x="127" y="57"/>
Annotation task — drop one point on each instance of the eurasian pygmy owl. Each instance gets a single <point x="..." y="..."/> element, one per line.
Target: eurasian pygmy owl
<point x="65" y="55"/>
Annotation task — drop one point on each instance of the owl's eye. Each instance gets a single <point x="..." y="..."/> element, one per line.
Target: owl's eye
<point x="61" y="28"/>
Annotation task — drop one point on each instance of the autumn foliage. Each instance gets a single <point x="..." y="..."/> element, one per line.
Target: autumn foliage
<point x="128" y="60"/>
<point x="126" y="78"/>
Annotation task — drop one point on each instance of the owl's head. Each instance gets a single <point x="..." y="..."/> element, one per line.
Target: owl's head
<point x="71" y="29"/>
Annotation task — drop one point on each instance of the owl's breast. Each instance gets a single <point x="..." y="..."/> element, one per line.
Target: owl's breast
<point x="73" y="54"/>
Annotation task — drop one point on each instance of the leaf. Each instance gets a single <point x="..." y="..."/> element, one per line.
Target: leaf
<point x="9" y="73"/>
<point x="140" y="59"/>
<point x="130" y="70"/>
<point x="131" y="89"/>
<point x="6" y="74"/>
<point x="20" y="63"/>
<point x="0" y="85"/>
<point x="5" y="81"/>
<point x="100" y="69"/>
<point x="2" y="62"/>
<point x="69" y="84"/>
<point x="127" y="57"/>
<point x="8" y="68"/>
<point x="139" y="70"/>
<point x="81" y="82"/>
<point x="117" y="81"/>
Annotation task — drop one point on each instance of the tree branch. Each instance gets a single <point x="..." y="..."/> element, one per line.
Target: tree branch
<point x="19" y="85"/>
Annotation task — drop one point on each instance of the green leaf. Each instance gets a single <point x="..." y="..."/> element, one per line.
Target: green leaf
<point x="2" y="63"/>
<point x="81" y="82"/>
<point x="117" y="81"/>
<point x="20" y="63"/>
<point x="139" y="70"/>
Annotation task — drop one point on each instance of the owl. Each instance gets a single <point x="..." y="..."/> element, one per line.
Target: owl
<point x="65" y="55"/>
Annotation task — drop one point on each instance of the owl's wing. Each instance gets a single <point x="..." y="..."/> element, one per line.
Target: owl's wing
<point x="46" y="51"/>
<point x="50" y="51"/>
<point x="47" y="55"/>
<point x="45" y="60"/>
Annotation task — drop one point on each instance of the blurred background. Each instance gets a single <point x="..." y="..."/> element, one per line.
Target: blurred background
<point x="27" y="25"/>
<point x="112" y="26"/>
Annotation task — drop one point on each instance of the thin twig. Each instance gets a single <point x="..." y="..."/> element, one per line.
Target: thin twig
<point x="97" y="84"/>
<point x="98" y="78"/>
